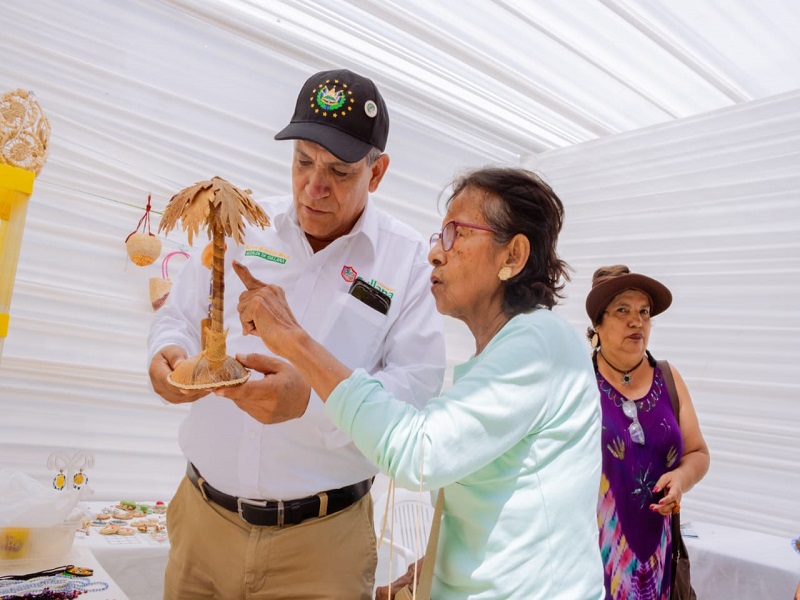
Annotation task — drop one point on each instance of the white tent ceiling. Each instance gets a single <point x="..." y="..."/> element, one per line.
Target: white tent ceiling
<point x="151" y="96"/>
<point x="528" y="76"/>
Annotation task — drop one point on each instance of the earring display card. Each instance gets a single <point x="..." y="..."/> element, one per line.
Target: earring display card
<point x="71" y="468"/>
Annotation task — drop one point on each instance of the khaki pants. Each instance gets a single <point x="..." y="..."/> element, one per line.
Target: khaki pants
<point x="214" y="554"/>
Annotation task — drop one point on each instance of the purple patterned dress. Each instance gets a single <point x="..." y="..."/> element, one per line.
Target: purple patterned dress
<point x="635" y="542"/>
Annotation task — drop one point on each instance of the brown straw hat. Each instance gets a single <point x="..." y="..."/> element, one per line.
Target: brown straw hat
<point x="607" y="282"/>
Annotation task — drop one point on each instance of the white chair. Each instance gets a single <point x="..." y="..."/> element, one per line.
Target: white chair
<point x="408" y="521"/>
<point x="413" y="513"/>
<point x="405" y="533"/>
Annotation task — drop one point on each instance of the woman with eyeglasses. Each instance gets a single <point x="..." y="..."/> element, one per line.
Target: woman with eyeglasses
<point x="515" y="442"/>
<point x="651" y="456"/>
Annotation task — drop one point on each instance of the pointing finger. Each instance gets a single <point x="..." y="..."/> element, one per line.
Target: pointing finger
<point x="250" y="282"/>
<point x="260" y="362"/>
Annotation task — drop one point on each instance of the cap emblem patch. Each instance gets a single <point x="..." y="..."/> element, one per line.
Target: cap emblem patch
<point x="371" y="109"/>
<point x="327" y="99"/>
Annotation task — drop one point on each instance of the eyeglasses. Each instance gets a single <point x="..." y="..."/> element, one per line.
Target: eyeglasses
<point x="635" y="428"/>
<point x="448" y="234"/>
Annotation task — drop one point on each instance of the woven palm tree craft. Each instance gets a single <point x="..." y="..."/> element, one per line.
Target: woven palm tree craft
<point x="222" y="209"/>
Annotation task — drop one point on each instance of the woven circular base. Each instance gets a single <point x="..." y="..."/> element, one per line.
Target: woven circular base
<point x="210" y="385"/>
<point x="199" y="373"/>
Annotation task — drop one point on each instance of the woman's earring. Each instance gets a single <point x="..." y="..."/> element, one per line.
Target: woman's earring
<point x="504" y="274"/>
<point x="595" y="340"/>
<point x="60" y="480"/>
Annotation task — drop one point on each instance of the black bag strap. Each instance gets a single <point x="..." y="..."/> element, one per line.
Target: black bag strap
<point x="678" y="547"/>
<point x="666" y="372"/>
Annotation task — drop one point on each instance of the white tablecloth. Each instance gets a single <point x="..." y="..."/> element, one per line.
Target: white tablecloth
<point x="727" y="563"/>
<point x="135" y="562"/>
<point x="736" y="564"/>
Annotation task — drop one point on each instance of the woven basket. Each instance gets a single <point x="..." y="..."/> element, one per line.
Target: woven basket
<point x="159" y="290"/>
<point x="143" y="248"/>
<point x="160" y="286"/>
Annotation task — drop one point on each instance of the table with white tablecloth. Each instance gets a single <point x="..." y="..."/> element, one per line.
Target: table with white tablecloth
<point x="136" y="562"/>
<point x="726" y="562"/>
<point x="737" y="564"/>
<point x="100" y="585"/>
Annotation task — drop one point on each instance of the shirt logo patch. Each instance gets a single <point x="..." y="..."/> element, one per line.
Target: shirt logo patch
<point x="349" y="274"/>
<point x="270" y="255"/>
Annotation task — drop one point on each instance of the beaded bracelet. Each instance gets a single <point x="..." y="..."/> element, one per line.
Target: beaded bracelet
<point x="55" y="587"/>
<point x="45" y="595"/>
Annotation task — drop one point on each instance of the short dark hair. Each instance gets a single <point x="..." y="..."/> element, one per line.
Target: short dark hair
<point x="519" y="201"/>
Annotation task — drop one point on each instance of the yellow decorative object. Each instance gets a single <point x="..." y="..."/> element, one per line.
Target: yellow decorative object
<point x="16" y="186"/>
<point x="14" y="542"/>
<point x="60" y="480"/>
<point x="24" y="131"/>
<point x="79" y="479"/>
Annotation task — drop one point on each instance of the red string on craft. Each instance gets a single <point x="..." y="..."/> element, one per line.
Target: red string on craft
<point x="143" y="247"/>
<point x="144" y="220"/>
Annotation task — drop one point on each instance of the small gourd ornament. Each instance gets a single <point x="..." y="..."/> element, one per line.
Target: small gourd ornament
<point x="143" y="247"/>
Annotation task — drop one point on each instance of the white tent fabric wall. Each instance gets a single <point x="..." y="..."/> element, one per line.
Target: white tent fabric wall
<point x="143" y="97"/>
<point x="708" y="205"/>
<point x="151" y="96"/>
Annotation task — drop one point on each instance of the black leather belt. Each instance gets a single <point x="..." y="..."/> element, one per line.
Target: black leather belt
<point x="278" y="513"/>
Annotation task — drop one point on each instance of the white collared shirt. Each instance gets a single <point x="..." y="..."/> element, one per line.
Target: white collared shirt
<point x="404" y="348"/>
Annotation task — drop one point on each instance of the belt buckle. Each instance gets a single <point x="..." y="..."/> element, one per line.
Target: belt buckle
<point x="259" y="504"/>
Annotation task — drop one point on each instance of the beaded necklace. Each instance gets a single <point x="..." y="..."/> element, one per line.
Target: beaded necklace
<point x="54" y="587"/>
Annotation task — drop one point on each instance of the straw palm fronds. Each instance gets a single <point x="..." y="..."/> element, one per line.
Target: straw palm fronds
<point x="193" y="206"/>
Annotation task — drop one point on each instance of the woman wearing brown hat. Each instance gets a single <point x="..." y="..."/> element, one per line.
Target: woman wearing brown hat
<point x="651" y="456"/>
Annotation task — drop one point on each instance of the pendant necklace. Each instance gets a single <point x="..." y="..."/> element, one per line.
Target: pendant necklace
<point x="626" y="375"/>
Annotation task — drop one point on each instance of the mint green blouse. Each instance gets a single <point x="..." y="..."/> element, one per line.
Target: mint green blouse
<point x="515" y="442"/>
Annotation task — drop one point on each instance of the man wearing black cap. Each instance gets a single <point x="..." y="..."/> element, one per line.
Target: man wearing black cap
<point x="277" y="505"/>
<point x="342" y="112"/>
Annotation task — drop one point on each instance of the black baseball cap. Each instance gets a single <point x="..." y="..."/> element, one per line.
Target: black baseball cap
<point x="341" y="111"/>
